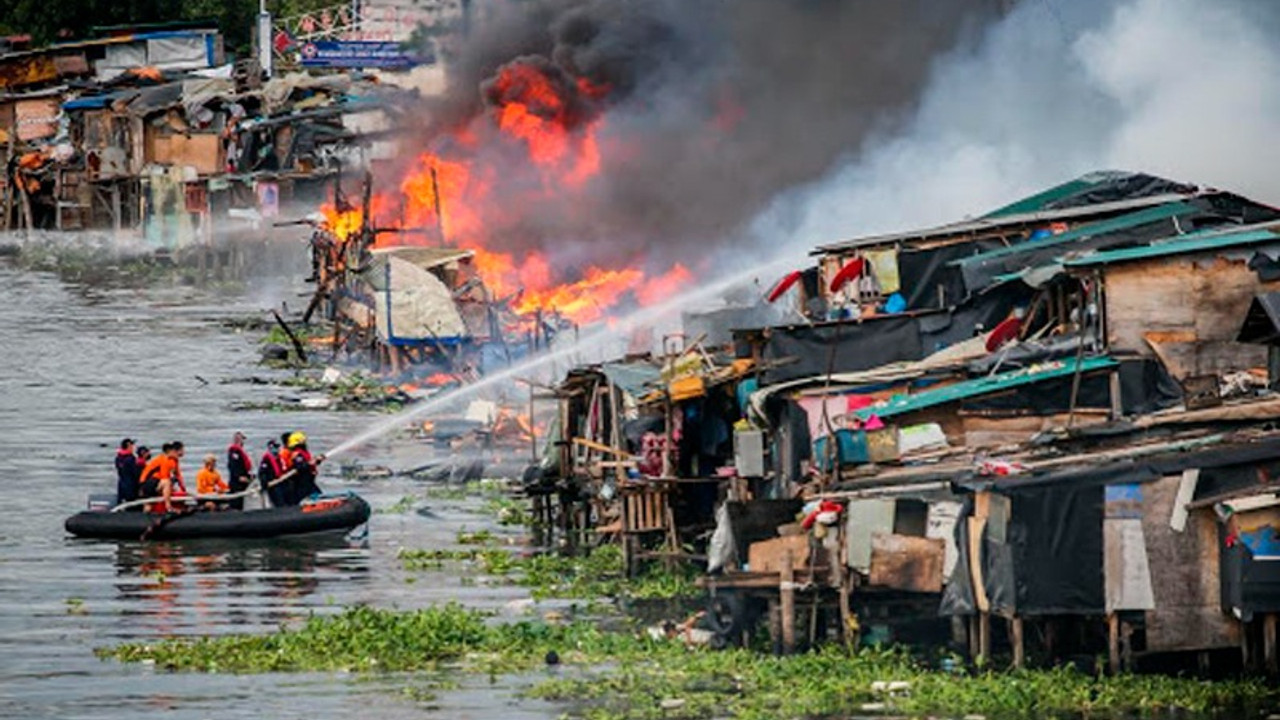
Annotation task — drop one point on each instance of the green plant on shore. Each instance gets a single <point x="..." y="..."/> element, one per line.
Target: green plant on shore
<point x="598" y="574"/>
<point x="625" y="675"/>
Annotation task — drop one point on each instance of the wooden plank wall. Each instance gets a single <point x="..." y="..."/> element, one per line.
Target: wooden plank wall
<point x="1198" y="303"/>
<point x="1184" y="568"/>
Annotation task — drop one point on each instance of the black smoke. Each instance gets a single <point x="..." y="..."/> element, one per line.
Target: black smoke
<point x="714" y="107"/>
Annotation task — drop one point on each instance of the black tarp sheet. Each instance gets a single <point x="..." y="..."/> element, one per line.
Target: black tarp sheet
<point x="884" y="339"/>
<point x="922" y="272"/>
<point x="1120" y="186"/>
<point x="1250" y="585"/>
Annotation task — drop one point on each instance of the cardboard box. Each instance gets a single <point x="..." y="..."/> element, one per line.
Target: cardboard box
<point x="905" y="562"/>
<point x="766" y="555"/>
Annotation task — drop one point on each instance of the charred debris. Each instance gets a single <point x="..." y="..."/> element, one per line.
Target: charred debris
<point x="1044" y="433"/>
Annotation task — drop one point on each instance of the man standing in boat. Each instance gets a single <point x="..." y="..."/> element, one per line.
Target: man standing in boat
<point x="304" y="467"/>
<point x="239" y="470"/>
<point x="127" y="472"/>
<point x="269" y="470"/>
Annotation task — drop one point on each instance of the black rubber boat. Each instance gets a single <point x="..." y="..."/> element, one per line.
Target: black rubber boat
<point x="321" y="515"/>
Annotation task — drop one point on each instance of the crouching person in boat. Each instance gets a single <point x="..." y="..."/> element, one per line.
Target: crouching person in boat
<point x="162" y="478"/>
<point x="209" y="481"/>
<point x="304" y="467"/>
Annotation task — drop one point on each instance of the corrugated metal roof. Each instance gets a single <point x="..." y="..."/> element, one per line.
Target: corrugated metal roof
<point x="1102" y="227"/>
<point x="901" y="404"/>
<point x="1186" y="244"/>
<point x="989" y="224"/>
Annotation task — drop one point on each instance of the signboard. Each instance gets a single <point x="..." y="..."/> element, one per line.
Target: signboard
<point x="355" y="54"/>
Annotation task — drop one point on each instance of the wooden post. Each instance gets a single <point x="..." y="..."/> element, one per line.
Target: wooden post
<point x="1126" y="647"/>
<point x="787" y="589"/>
<point x="10" y="192"/>
<point x="975" y="646"/>
<point x="1117" y="401"/>
<point x="984" y="636"/>
<point x="1269" y="644"/>
<point x="1245" y="660"/>
<point x="28" y="222"/>
<point x="1113" y="643"/>
<point x="1015" y="639"/>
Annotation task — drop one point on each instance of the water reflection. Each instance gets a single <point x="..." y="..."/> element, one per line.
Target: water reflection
<point x="227" y="585"/>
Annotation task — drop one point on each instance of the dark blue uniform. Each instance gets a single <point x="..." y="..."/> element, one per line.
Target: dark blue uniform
<point x="127" y="472"/>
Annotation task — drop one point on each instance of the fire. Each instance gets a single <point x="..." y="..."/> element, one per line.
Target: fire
<point x="342" y="223"/>
<point x="539" y="139"/>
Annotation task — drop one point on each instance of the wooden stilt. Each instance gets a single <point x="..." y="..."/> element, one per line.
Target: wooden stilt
<point x="1126" y="647"/>
<point x="775" y="626"/>
<point x="1113" y="643"/>
<point x="984" y="637"/>
<point x="1245" y="659"/>
<point x="788" y="603"/>
<point x="975" y="639"/>
<point x="1269" y="644"/>
<point x="1015" y="639"/>
<point x="844" y="587"/>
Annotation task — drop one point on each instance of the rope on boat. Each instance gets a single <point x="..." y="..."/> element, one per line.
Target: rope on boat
<point x="197" y="499"/>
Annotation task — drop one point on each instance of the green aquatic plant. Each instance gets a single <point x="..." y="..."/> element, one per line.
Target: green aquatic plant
<point x="598" y="574"/>
<point x="625" y="674"/>
<point x="403" y="505"/>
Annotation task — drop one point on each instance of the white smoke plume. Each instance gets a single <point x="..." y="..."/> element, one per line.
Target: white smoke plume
<point x="1185" y="89"/>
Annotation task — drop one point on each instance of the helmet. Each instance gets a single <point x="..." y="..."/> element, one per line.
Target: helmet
<point x="296" y="439"/>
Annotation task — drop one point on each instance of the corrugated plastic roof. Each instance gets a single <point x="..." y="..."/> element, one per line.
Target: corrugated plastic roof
<point x="901" y="404"/>
<point x="992" y="223"/>
<point x="1102" y="227"/>
<point x="1186" y="244"/>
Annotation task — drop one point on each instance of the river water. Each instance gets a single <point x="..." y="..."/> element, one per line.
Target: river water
<point x="81" y="367"/>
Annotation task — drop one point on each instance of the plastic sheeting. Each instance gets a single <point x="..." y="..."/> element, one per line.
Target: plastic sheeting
<point x="179" y="52"/>
<point x="815" y="350"/>
<point x="421" y="307"/>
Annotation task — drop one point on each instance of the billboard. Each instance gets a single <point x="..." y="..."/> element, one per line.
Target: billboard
<point x="356" y="54"/>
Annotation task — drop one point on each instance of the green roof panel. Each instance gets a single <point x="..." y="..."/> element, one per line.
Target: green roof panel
<point x="902" y="404"/>
<point x="1186" y="244"/>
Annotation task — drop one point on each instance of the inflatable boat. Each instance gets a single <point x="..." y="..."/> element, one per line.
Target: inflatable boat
<point x="320" y="514"/>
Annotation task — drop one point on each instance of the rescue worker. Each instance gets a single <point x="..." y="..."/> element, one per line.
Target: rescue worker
<point x="284" y="449"/>
<point x="208" y="480"/>
<point x="144" y="457"/>
<point x="270" y="468"/>
<point x="127" y="473"/>
<point x="304" y="467"/>
<point x="162" y="478"/>
<point x="149" y="478"/>
<point x="239" y="470"/>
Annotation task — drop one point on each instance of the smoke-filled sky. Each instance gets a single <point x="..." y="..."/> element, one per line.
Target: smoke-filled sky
<point x="750" y="126"/>
<point x="1185" y="89"/>
<point x="713" y="108"/>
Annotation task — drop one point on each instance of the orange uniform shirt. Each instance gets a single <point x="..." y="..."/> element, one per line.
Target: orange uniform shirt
<point x="209" y="482"/>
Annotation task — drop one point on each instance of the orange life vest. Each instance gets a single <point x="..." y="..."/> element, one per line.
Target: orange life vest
<point x="209" y="482"/>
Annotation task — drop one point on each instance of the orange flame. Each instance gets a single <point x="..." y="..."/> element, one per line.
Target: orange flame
<point x="461" y="199"/>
